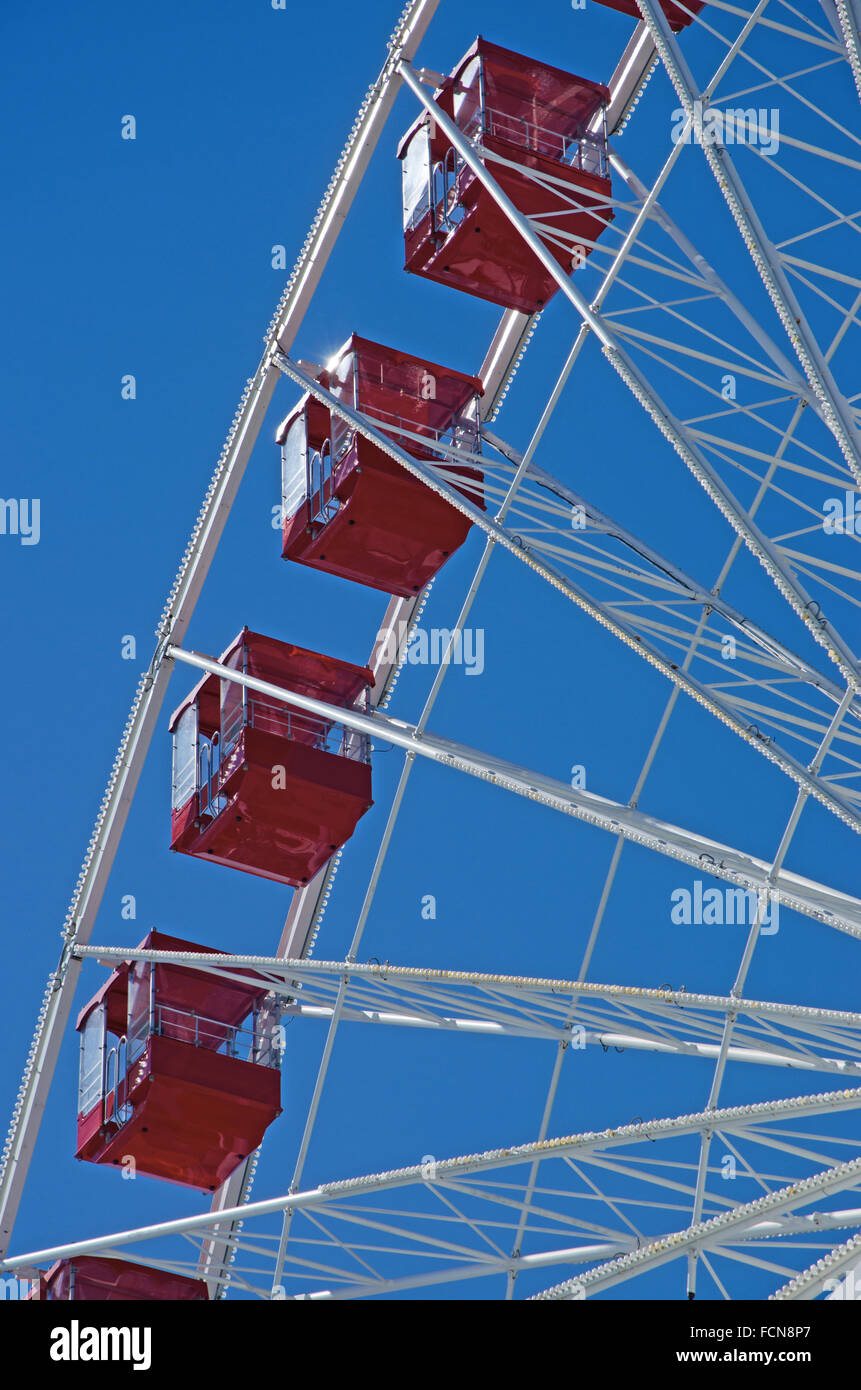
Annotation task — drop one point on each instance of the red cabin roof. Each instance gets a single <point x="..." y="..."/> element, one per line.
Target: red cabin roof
<point x="394" y="386"/>
<point x="90" y="1278"/>
<point x="547" y="127"/>
<point x="181" y="987"/>
<point x="521" y="88"/>
<point x="296" y="668"/>
<point x="388" y="384"/>
<point x="174" y="1093"/>
<point x="677" y="16"/>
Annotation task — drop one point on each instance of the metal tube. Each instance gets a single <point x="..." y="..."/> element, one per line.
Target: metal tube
<point x="721" y="861"/>
<point x="735" y="1117"/>
<point x="181" y="604"/>
<point x="837" y="410"/>
<point x="679" y="436"/>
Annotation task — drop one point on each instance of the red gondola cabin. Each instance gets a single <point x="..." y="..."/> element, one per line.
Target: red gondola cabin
<point x="546" y="122"/>
<point x="90" y="1278"/>
<point x="679" y="16"/>
<point x="263" y="786"/>
<point x="179" y="1070"/>
<point x="350" y="509"/>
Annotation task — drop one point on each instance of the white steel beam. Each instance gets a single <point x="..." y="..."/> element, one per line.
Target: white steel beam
<point x="837" y="410"/>
<point x="698" y="592"/>
<point x="305" y="915"/>
<point x="179" y="608"/>
<point x="510" y="325"/>
<point x="630" y="77"/>
<point x="349" y="171"/>
<point x="678" y="434"/>
<point x="480" y="1268"/>
<point x="513" y="1006"/>
<point x="305" y="908"/>
<point x="308" y="903"/>
<point x="825" y="1276"/>
<point x="609" y="617"/>
<point x="849" y="18"/>
<point x="720" y="1230"/>
<point x="816" y="900"/>
<point x="110" y="823"/>
<point x="625" y="81"/>
<point x="730" y="1119"/>
<point x="716" y="284"/>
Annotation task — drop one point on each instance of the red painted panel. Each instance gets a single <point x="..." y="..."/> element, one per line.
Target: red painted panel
<point x="521" y="87"/>
<point x="306" y="672"/>
<point x="178" y="986"/>
<point x="115" y="992"/>
<point x="486" y="257"/>
<point x="536" y="116"/>
<point x="288" y="831"/>
<point x="183" y="988"/>
<point x="317" y="419"/>
<point x="183" y="819"/>
<point x="390" y="385"/>
<point x="282" y="826"/>
<point x="90" y="1278"/>
<point x="206" y="695"/>
<point x="676" y="17"/>
<point x="390" y="532"/>
<point x="196" y="1115"/>
<point x="281" y="663"/>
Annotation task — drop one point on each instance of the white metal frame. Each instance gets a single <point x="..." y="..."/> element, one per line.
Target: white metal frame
<point x="724" y="1029"/>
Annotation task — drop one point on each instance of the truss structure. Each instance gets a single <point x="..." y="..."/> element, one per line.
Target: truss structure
<point x="643" y="1201"/>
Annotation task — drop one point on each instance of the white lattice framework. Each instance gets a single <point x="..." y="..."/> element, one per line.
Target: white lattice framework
<point x="605" y="1207"/>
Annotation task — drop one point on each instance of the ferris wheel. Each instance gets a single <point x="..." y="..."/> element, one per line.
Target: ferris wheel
<point x="518" y="189"/>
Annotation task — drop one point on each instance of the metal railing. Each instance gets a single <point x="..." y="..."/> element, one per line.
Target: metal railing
<point x="117" y="1108"/>
<point x="447" y="176"/>
<point x="231" y="727"/>
<point x="269" y="717"/>
<point x="209" y="772"/>
<point x="342" y="433"/>
<point x="447" y="181"/>
<point x="249" y="1042"/>
<point x="584" y="150"/>
<point x="107" y="1082"/>
<point x="285" y="722"/>
<point x="322" y="502"/>
<point x="459" y="431"/>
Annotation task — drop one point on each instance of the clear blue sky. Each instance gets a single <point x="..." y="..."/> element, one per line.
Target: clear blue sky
<point x="152" y="257"/>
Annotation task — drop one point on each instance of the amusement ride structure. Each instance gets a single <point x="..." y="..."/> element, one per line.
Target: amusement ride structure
<point x="516" y="190"/>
